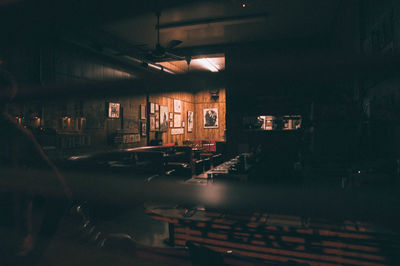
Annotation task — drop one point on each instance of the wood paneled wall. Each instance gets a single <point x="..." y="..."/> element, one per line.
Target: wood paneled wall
<point x="167" y="99"/>
<point x="203" y="100"/>
<point x="195" y="102"/>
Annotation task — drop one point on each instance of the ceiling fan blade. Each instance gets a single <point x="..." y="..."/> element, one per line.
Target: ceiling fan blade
<point x="173" y="44"/>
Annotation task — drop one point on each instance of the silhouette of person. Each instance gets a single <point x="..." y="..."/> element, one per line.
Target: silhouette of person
<point x="20" y="152"/>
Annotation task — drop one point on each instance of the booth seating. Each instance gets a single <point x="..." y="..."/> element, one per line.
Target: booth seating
<point x="207" y="164"/>
<point x="178" y="160"/>
<point x="216" y="159"/>
<point x="199" y="167"/>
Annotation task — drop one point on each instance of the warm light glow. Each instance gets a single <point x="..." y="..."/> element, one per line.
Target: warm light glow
<point x="168" y="71"/>
<point x="207" y="64"/>
<point x="157" y="67"/>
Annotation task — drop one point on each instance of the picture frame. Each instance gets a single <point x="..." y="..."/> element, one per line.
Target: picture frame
<point x="114" y="110"/>
<point x="142" y="111"/>
<point x="210" y="118"/>
<point x="152" y="123"/>
<point x="163" y="118"/>
<point x="177" y="120"/>
<point x="143" y="128"/>
<point x="177" y="106"/>
<point x="190" y="121"/>
<point x="152" y="109"/>
<point x="171" y="116"/>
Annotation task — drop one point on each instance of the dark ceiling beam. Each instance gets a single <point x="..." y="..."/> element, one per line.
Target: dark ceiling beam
<point x="229" y="20"/>
<point x="266" y="46"/>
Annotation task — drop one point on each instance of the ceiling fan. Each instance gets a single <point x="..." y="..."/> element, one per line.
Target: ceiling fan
<point x="161" y="52"/>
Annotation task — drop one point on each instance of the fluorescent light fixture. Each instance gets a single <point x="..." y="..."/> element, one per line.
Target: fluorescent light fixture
<point x="207" y="64"/>
<point x="168" y="71"/>
<point x="154" y="66"/>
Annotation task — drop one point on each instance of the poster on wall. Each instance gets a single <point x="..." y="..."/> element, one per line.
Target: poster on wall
<point x="177" y="106"/>
<point x="152" y="123"/>
<point x="177" y="131"/>
<point x="190" y="121"/>
<point x="142" y="111"/>
<point x="210" y="117"/>
<point x="177" y="120"/>
<point x="113" y="110"/>
<point x="163" y="118"/>
<point x="143" y="128"/>
<point x="152" y="108"/>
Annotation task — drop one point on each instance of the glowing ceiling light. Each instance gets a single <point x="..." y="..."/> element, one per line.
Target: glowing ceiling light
<point x="168" y="71"/>
<point x="207" y="64"/>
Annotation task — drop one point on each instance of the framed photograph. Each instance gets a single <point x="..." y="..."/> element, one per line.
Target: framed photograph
<point x="190" y="121"/>
<point x="143" y="129"/>
<point x="177" y="131"/>
<point x="171" y="116"/>
<point x="163" y="118"/>
<point x="157" y="123"/>
<point x="177" y="106"/>
<point x="142" y="111"/>
<point x="113" y="110"/>
<point x="171" y="124"/>
<point x="152" y="123"/>
<point x="157" y="107"/>
<point x="210" y="118"/>
<point x="177" y="120"/>
<point x="152" y="108"/>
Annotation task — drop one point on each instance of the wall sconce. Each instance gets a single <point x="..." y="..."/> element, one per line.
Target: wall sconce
<point x="214" y="94"/>
<point x="19" y="119"/>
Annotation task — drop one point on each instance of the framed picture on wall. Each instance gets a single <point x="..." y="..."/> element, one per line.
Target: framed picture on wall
<point x="177" y="106"/>
<point x="190" y="121"/>
<point x="210" y="118"/>
<point x="171" y="116"/>
<point x="163" y="118"/>
<point x="177" y="120"/>
<point x="143" y="128"/>
<point x="152" y="123"/>
<point x="157" y="123"/>
<point x="142" y="111"/>
<point x="152" y="108"/>
<point x="113" y="110"/>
